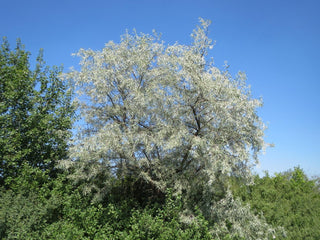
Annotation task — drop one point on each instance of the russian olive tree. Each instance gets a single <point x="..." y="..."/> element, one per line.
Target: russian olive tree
<point x="164" y="116"/>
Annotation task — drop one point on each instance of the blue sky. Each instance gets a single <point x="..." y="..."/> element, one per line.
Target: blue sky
<point x="277" y="44"/>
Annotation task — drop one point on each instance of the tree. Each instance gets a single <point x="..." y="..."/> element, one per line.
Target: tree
<point x="165" y="117"/>
<point x="35" y="114"/>
<point x="288" y="199"/>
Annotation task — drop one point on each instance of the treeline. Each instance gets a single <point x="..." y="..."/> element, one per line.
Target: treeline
<point x="289" y="199"/>
<point x="137" y="195"/>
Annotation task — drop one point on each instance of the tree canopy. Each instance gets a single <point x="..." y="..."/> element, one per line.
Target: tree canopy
<point x="35" y="114"/>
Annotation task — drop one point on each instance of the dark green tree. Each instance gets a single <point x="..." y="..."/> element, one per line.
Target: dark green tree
<point x="36" y="114"/>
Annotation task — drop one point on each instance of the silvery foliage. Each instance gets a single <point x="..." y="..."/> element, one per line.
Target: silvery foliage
<point x="166" y="114"/>
<point x="236" y="219"/>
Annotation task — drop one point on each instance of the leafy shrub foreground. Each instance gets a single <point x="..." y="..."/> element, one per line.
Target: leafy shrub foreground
<point x="64" y="213"/>
<point x="55" y="209"/>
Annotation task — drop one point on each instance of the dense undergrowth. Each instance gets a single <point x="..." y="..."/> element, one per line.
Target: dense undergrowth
<point x="56" y="209"/>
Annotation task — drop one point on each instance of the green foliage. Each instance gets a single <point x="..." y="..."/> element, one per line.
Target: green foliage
<point x="35" y="114"/>
<point x="288" y="199"/>
<point x="38" y="212"/>
<point x="59" y="211"/>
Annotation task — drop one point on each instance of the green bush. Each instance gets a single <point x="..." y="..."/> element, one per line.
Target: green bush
<point x="288" y="199"/>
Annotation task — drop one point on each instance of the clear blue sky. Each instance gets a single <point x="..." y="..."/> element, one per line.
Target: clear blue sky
<point x="277" y="43"/>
